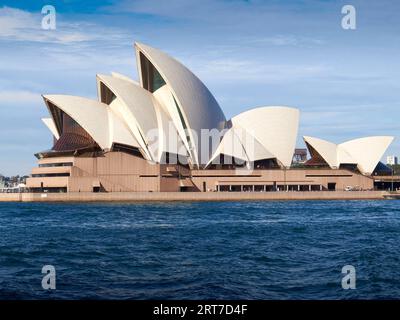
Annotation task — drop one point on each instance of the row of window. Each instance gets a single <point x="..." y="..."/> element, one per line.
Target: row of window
<point x="266" y="188"/>
<point x="47" y="175"/>
<point x="59" y="164"/>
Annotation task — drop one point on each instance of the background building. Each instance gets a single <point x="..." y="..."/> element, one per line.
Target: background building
<point x="392" y="160"/>
<point x="2" y="182"/>
<point x="300" y="156"/>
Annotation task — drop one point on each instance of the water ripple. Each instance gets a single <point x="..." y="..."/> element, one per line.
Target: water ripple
<point x="215" y="250"/>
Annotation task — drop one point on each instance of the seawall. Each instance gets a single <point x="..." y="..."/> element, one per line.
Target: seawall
<point x="190" y="196"/>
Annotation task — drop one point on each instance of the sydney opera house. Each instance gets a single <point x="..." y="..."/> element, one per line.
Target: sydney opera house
<point x="167" y="132"/>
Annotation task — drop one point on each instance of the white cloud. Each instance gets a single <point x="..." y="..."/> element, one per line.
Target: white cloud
<point x="18" y="97"/>
<point x="20" y="25"/>
<point x="233" y="14"/>
<point x="171" y="8"/>
<point x="287" y="40"/>
<point x="252" y="70"/>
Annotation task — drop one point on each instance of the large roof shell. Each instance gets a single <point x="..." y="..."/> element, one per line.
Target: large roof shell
<point x="261" y="133"/>
<point x="95" y="117"/>
<point x="364" y="152"/>
<point x="134" y="105"/>
<point x="275" y="128"/>
<point x="197" y="105"/>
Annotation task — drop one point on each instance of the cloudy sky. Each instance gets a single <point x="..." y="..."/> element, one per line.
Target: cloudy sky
<point x="248" y="53"/>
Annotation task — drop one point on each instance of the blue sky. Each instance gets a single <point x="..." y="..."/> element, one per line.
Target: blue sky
<point x="249" y="54"/>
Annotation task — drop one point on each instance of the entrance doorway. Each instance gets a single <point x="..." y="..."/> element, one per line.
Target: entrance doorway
<point x="331" y="186"/>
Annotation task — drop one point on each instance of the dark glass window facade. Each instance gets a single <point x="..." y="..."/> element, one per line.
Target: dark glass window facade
<point x="107" y="96"/>
<point x="45" y="175"/>
<point x="152" y="79"/>
<point x="73" y="136"/>
<point x="59" y="164"/>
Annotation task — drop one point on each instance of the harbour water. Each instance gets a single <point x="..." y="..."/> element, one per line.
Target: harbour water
<point x="201" y="250"/>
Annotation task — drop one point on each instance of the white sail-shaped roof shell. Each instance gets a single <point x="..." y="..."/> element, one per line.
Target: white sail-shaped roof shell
<point x="147" y="120"/>
<point x="96" y="118"/>
<point x="166" y="101"/>
<point x="367" y="151"/>
<point x="240" y="144"/>
<point x="230" y="145"/>
<point x="274" y="127"/>
<point x="264" y="133"/>
<point x="326" y="149"/>
<point x="51" y="126"/>
<point x="168" y="139"/>
<point x="135" y="106"/>
<point x="364" y="152"/>
<point x="197" y="105"/>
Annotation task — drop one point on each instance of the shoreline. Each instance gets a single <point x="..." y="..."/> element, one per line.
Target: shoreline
<point x="193" y="196"/>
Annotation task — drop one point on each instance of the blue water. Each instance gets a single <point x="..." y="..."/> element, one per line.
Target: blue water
<point x="216" y="250"/>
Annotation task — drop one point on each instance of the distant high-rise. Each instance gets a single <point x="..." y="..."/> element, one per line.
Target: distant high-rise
<point x="2" y="181"/>
<point x="392" y="160"/>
